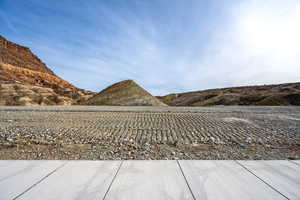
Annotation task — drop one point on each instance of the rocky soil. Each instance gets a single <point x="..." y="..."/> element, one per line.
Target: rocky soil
<point x="149" y="133"/>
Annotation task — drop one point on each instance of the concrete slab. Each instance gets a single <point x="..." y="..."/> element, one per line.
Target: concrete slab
<point x="284" y="176"/>
<point x="148" y="179"/>
<point x="18" y="176"/>
<point x="222" y="180"/>
<point x="77" y="180"/>
<point x="296" y="162"/>
<point x="138" y="180"/>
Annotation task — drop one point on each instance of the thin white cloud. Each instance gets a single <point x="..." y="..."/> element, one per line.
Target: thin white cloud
<point x="7" y="21"/>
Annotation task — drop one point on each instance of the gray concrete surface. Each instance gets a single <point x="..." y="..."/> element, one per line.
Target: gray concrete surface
<point x="281" y="175"/>
<point x="225" y="180"/>
<point x="184" y="179"/>
<point x="17" y="177"/>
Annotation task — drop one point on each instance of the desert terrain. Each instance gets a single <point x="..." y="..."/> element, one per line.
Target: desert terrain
<point x="144" y="132"/>
<point x="125" y="121"/>
<point x="25" y="80"/>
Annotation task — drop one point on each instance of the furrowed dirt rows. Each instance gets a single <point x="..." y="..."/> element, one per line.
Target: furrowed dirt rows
<point x="148" y="135"/>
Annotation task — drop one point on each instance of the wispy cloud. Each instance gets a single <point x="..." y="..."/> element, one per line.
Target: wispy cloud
<point x="261" y="45"/>
<point x="166" y="47"/>
<point x="5" y="20"/>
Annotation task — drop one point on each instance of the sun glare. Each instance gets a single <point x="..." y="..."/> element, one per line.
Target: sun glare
<point x="270" y="33"/>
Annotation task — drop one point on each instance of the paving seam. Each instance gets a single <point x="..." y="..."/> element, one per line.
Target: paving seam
<point x="186" y="180"/>
<point x="41" y="180"/>
<point x="294" y="162"/>
<point x="108" y="189"/>
<point x="261" y="179"/>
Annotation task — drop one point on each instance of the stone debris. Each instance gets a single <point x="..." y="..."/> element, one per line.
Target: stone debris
<point x="138" y="134"/>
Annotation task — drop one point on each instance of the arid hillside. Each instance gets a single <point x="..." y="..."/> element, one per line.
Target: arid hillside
<point x="264" y="95"/>
<point x="20" y="56"/>
<point x="26" y="80"/>
<point x="124" y="93"/>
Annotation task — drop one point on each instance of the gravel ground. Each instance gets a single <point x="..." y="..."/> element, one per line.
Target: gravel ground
<point x="89" y="132"/>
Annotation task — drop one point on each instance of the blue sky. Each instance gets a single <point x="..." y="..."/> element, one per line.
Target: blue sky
<point x="166" y="46"/>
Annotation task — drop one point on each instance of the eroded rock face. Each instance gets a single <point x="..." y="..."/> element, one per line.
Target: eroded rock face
<point x="17" y="55"/>
<point x="20" y="94"/>
<point x="13" y="74"/>
<point x="124" y="93"/>
<point x="26" y="80"/>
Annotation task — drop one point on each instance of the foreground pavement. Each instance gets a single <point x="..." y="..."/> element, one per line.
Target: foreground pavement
<point x="155" y="179"/>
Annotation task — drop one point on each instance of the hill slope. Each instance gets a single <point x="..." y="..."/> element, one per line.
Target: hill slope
<point x="124" y="93"/>
<point x="20" y="56"/>
<point x="23" y="77"/>
<point x="265" y="95"/>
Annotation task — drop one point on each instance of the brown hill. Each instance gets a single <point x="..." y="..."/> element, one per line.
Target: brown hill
<point x="23" y="76"/>
<point x="264" y="95"/>
<point x="124" y="93"/>
<point x="20" y="56"/>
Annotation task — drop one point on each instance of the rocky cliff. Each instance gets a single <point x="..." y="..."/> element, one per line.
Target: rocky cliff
<point x="20" y="56"/>
<point x="26" y="80"/>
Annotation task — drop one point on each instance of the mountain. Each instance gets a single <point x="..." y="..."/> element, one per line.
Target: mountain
<point x="124" y="93"/>
<point x="26" y="80"/>
<point x="264" y="95"/>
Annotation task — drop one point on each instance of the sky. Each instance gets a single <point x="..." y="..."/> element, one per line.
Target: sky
<point x="166" y="46"/>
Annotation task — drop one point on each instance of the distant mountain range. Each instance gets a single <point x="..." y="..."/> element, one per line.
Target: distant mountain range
<point x="26" y="80"/>
<point x="263" y="95"/>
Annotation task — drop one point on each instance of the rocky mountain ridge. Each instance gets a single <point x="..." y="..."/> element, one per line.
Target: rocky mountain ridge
<point x="20" y="56"/>
<point x="263" y="95"/>
<point x="26" y="80"/>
